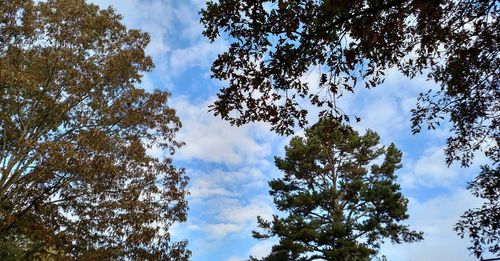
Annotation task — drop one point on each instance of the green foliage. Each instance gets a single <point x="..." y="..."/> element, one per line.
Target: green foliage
<point x="10" y="251"/>
<point x="74" y="130"/>
<point x="340" y="205"/>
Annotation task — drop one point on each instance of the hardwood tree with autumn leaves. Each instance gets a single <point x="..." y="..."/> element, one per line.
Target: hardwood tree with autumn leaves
<point x="76" y="179"/>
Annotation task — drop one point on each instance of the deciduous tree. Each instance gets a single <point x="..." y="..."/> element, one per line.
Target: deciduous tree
<point x="76" y="178"/>
<point x="275" y="43"/>
<point x="339" y="204"/>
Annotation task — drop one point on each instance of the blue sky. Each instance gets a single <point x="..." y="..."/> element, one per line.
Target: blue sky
<point x="229" y="166"/>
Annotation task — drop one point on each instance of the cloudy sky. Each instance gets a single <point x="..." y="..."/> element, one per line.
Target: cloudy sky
<point x="229" y="166"/>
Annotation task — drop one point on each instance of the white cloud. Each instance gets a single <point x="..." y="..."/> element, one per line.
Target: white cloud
<point x="384" y="109"/>
<point x="230" y="217"/>
<point x="234" y="205"/>
<point x="430" y="170"/>
<point x="236" y="187"/>
<point x="188" y="17"/>
<point x="388" y="121"/>
<point x="199" y="54"/>
<point x="435" y="217"/>
<point x="154" y="17"/>
<point x="246" y="214"/>
<point x="211" y="139"/>
<point x="261" y="249"/>
<point x="221" y="230"/>
<point x="236" y="197"/>
<point x="209" y="183"/>
<point x="175" y="32"/>
<point x="231" y="183"/>
<point x="204" y="189"/>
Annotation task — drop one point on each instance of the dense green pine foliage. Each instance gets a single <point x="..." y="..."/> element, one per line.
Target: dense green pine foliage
<point x="340" y="204"/>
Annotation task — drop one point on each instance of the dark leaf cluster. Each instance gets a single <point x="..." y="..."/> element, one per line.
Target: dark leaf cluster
<point x="275" y="44"/>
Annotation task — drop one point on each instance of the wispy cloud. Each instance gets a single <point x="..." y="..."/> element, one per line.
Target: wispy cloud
<point x="211" y="139"/>
<point x="430" y="170"/>
<point x="435" y="217"/>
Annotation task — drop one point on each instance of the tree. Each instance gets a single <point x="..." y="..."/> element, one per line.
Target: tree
<point x="339" y="204"/>
<point x="74" y="129"/>
<point x="275" y="43"/>
<point x="481" y="224"/>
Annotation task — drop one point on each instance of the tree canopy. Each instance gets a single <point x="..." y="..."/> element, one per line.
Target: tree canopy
<point x="339" y="204"/>
<point x="275" y="43"/>
<point x="76" y="178"/>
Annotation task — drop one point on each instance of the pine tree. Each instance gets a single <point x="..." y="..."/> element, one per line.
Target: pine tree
<point x="339" y="204"/>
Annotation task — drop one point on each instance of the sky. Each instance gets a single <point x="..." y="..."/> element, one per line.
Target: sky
<point x="230" y="166"/>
